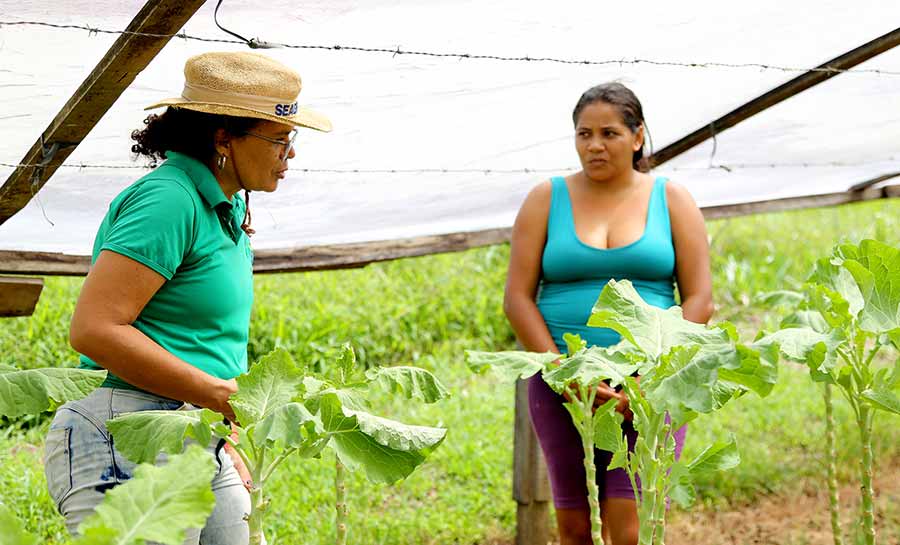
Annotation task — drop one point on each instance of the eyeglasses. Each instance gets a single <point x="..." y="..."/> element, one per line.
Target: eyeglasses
<point x="288" y="145"/>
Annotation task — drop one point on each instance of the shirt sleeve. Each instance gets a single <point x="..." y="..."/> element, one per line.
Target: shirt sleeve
<point x="154" y="226"/>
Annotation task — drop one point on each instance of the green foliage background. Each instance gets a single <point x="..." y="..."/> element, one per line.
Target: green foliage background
<point x="427" y="311"/>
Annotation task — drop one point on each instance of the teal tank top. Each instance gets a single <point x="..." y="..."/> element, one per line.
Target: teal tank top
<point x="573" y="273"/>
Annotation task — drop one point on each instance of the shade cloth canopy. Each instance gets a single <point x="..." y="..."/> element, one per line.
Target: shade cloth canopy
<point x="496" y="127"/>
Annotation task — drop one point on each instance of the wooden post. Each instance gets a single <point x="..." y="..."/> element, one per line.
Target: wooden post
<point x="531" y="487"/>
<point x="18" y="296"/>
<point x="144" y="37"/>
<point x="786" y="90"/>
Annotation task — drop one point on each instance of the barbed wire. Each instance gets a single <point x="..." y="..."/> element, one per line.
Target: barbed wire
<point x="728" y="167"/>
<point x="470" y="56"/>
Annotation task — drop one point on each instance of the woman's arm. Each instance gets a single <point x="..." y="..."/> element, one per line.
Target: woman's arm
<point x="113" y="295"/>
<point x="691" y="255"/>
<point x="529" y="234"/>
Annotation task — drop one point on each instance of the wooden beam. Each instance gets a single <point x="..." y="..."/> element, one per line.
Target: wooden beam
<point x="782" y="92"/>
<point x="794" y="203"/>
<point x="360" y="254"/>
<point x="340" y="256"/>
<point x="310" y="258"/>
<point x="127" y="57"/>
<point x="19" y="296"/>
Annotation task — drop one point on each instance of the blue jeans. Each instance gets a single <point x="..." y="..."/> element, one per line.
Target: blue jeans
<point x="81" y="463"/>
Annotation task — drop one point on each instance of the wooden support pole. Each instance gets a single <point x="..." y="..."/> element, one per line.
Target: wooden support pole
<point x="19" y="296"/>
<point x="531" y="487"/>
<point x="127" y="57"/>
<point x="823" y="72"/>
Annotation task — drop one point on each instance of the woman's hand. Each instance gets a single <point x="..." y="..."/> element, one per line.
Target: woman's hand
<point x="218" y="400"/>
<point x="604" y="393"/>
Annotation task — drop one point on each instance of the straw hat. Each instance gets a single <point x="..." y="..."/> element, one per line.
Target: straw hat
<point x="244" y="84"/>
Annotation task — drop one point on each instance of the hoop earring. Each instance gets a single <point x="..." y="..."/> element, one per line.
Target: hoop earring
<point x="221" y="162"/>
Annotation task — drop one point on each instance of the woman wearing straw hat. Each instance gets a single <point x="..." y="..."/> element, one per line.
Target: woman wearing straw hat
<point x="165" y="307"/>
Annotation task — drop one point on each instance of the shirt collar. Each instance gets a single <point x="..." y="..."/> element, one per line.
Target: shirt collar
<point x="203" y="179"/>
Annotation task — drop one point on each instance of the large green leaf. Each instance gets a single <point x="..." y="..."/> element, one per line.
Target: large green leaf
<point x="808" y="346"/>
<point x="589" y="367"/>
<point x="806" y="318"/>
<point x="607" y="430"/>
<point x="385" y="450"/>
<point x="510" y="365"/>
<point x="34" y="391"/>
<point x="682" y="383"/>
<point x="287" y="426"/>
<point x="747" y="368"/>
<point x="884" y="400"/>
<point x="830" y="305"/>
<point x="574" y="343"/>
<point x="12" y="532"/>
<point x="397" y="435"/>
<point x="652" y="330"/>
<point x="720" y="456"/>
<point x="830" y="274"/>
<point x="158" y="503"/>
<point x="273" y="381"/>
<point x="411" y="382"/>
<point x="875" y="267"/>
<point x="681" y="485"/>
<point x="142" y="435"/>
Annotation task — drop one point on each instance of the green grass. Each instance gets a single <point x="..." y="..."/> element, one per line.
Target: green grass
<point x="428" y="311"/>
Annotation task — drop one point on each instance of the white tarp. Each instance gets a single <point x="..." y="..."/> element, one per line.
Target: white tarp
<point x="409" y="112"/>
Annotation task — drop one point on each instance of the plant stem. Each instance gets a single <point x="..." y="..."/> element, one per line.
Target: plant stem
<point x="873" y="353"/>
<point x="258" y="502"/>
<point x="275" y="463"/>
<point x="258" y="507"/>
<point x="340" y="503"/>
<point x="867" y="519"/>
<point x="240" y="450"/>
<point x="590" y="469"/>
<point x="646" y="450"/>
<point x="659" y="532"/>
<point x="831" y="456"/>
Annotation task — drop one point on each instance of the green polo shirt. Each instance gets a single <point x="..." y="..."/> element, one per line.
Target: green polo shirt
<point x="177" y="221"/>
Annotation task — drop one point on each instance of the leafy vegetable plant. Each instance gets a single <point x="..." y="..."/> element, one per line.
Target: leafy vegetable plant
<point x="282" y="412"/>
<point x="685" y="369"/>
<point x="848" y="313"/>
<point x="158" y="504"/>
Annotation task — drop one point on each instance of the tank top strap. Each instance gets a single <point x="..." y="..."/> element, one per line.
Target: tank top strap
<point x="659" y="208"/>
<point x="560" y="208"/>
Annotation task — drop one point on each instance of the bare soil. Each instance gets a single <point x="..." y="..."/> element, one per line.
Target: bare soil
<point x="798" y="519"/>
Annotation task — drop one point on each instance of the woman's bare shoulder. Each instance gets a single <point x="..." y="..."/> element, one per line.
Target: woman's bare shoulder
<point x="539" y="196"/>
<point x="678" y="196"/>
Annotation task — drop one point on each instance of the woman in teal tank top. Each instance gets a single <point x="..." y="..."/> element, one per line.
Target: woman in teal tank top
<point x="572" y="235"/>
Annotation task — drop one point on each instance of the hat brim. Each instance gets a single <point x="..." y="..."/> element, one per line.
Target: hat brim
<point x="303" y="118"/>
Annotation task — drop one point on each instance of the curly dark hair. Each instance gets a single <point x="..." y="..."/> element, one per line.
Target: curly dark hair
<point x="185" y="131"/>
<point x="191" y="133"/>
<point x="629" y="107"/>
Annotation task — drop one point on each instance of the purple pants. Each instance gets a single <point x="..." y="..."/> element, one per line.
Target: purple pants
<point x="565" y="456"/>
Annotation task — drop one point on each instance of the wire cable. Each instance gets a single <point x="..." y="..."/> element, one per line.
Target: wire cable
<point x="468" y="56"/>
